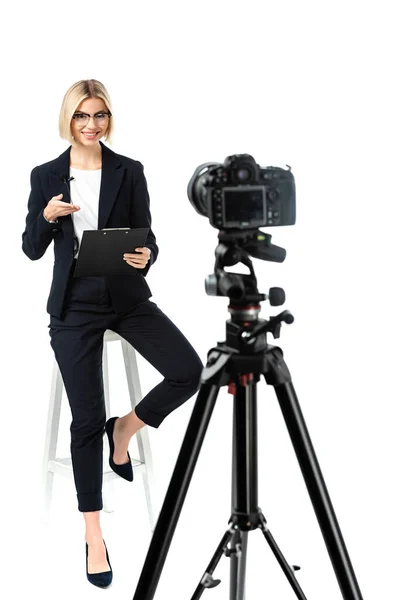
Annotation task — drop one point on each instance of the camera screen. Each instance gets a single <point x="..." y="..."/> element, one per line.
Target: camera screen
<point x="243" y="208"/>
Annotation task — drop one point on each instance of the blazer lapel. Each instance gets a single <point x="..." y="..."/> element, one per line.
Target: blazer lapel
<point x="112" y="172"/>
<point x="111" y="178"/>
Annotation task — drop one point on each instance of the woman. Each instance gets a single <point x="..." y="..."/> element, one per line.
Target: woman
<point x="91" y="187"/>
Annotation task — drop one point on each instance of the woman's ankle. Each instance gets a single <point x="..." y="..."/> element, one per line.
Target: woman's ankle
<point x="93" y="535"/>
<point x="92" y="525"/>
<point x="129" y="424"/>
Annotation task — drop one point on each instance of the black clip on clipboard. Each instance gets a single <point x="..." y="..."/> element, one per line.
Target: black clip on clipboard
<point x="101" y="251"/>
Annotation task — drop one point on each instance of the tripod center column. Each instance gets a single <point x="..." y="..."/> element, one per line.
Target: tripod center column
<point x="244" y="453"/>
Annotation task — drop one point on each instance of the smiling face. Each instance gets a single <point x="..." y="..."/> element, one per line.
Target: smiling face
<point x="81" y="130"/>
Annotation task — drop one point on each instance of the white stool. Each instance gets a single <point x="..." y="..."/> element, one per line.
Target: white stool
<point x="63" y="466"/>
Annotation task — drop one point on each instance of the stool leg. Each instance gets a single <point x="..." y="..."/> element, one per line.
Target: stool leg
<point x="135" y="394"/>
<point x="109" y="490"/>
<point x="147" y="474"/>
<point x="53" y="423"/>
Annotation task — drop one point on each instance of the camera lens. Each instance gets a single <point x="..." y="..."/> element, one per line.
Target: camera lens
<point x="196" y="189"/>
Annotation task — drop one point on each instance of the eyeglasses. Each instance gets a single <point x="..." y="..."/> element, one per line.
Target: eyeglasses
<point x="100" y="118"/>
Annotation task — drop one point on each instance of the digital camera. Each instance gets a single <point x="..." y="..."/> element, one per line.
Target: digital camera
<point x="239" y="194"/>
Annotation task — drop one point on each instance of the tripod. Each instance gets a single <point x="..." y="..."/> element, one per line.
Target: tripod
<point x="239" y="362"/>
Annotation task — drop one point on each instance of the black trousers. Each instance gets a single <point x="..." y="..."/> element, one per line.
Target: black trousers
<point x="77" y="341"/>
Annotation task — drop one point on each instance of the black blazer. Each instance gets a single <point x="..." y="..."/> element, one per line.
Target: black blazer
<point x="124" y="202"/>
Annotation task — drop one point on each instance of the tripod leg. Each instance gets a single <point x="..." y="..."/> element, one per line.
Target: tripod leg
<point x="287" y="569"/>
<point x="180" y="480"/>
<point x="207" y="581"/>
<point x="238" y="565"/>
<point x="279" y="377"/>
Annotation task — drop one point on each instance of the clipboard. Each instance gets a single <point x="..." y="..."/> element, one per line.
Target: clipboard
<point x="101" y="251"/>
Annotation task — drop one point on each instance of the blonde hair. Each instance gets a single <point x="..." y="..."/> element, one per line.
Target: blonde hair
<point x="79" y="91"/>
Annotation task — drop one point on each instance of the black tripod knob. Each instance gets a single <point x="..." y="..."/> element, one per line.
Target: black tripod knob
<point x="276" y="296"/>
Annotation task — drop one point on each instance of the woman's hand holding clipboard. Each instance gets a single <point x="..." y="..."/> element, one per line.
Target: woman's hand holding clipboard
<point x="139" y="262"/>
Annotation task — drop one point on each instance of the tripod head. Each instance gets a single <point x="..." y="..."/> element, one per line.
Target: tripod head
<point x="235" y="246"/>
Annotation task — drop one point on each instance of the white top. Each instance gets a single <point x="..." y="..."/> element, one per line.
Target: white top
<point x="85" y="192"/>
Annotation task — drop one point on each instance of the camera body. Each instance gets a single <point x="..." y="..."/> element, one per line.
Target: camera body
<point x="239" y="194"/>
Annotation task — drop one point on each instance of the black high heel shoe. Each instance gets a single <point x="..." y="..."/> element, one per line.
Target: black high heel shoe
<point x="125" y="471"/>
<point x="100" y="579"/>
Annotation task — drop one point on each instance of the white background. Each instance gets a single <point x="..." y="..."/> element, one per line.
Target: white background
<point x="308" y="84"/>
